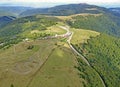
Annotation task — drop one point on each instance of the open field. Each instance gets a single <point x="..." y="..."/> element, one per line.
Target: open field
<point x="52" y="30"/>
<point x="58" y="71"/>
<point x="71" y="16"/>
<point x="81" y="35"/>
<point x="50" y="63"/>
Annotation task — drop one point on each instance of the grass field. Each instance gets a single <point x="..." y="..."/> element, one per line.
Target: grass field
<point x="58" y="71"/>
<point x="50" y="63"/>
<point x="18" y="63"/>
<point x="81" y="35"/>
<point x="71" y="16"/>
<point x="53" y="30"/>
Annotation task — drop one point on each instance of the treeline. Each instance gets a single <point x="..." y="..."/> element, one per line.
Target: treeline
<point x="6" y="43"/>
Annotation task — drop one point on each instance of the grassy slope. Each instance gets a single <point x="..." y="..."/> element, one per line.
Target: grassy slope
<point x="81" y="35"/>
<point x="58" y="71"/>
<point x="23" y="63"/>
<point x="24" y="67"/>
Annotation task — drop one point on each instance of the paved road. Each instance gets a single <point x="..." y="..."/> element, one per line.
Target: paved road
<point x="76" y="50"/>
<point x="69" y="39"/>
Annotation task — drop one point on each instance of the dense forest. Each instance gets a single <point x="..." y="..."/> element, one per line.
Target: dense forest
<point x="103" y="54"/>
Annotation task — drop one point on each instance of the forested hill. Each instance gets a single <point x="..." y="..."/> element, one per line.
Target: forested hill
<point x="102" y="52"/>
<point x="104" y="23"/>
<point x="63" y="10"/>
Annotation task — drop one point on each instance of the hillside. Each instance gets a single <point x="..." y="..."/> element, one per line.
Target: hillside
<point x="103" y="54"/>
<point x="45" y="62"/>
<point x="32" y="27"/>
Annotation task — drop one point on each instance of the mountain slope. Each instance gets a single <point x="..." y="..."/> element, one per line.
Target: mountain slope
<point x="105" y="23"/>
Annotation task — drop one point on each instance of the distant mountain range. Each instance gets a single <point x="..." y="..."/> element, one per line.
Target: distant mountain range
<point x="12" y="11"/>
<point x="64" y="10"/>
<point x="115" y="11"/>
<point x="61" y="10"/>
<point x="5" y="20"/>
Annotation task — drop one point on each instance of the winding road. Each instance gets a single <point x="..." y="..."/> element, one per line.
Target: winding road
<point x="83" y="58"/>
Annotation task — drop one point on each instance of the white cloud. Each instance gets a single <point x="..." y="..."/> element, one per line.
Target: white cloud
<point x="65" y="1"/>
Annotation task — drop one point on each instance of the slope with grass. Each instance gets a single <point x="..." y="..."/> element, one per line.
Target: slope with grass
<point x="48" y="62"/>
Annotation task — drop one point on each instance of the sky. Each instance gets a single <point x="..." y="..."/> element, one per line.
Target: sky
<point x="50" y="3"/>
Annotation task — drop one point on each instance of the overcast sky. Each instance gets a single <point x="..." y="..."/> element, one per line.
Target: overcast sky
<point x="49" y="3"/>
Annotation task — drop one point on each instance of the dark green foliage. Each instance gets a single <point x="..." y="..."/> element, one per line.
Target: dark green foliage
<point x="88" y="74"/>
<point x="103" y="23"/>
<point x="103" y="53"/>
<point x="12" y="85"/>
<point x="6" y="42"/>
<point x="30" y="47"/>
